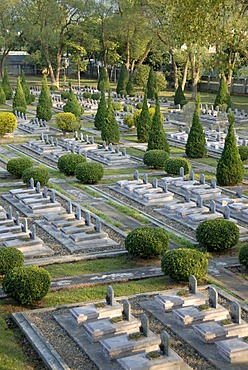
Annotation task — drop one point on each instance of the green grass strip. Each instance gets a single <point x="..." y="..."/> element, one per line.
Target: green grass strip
<point x="103" y="216"/>
<point x="128" y="211"/>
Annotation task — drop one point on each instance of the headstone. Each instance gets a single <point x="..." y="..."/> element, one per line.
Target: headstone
<point x="235" y="312"/>
<point x="56" y="142"/>
<point x="38" y="187"/>
<point x="165" y="343"/>
<point x="211" y="127"/>
<point x="213" y="297"/>
<point x="104" y="145"/>
<point x="31" y="182"/>
<point x="17" y="219"/>
<point x="202" y="179"/>
<point x="117" y="149"/>
<point x="144" y="325"/>
<point x="69" y="207"/>
<point x="199" y="201"/>
<point x="45" y="192"/>
<point x="86" y="138"/>
<point x="98" y="225"/>
<point x="218" y="128"/>
<point x="110" y="296"/>
<point x="76" y="135"/>
<point x="46" y="138"/>
<point x="164" y="186"/>
<point x="78" y="213"/>
<point x="81" y="136"/>
<point x="124" y="152"/>
<point x="73" y="148"/>
<point x="212" y="206"/>
<point x="127" y="310"/>
<point x="213" y="183"/>
<point x="9" y="213"/>
<point x="136" y="175"/>
<point x="192" y="284"/>
<point x="25" y="225"/>
<point x="187" y="130"/>
<point x="239" y="191"/>
<point x="181" y="173"/>
<point x="191" y="175"/>
<point x="67" y="146"/>
<point x="87" y="218"/>
<point x="110" y="147"/>
<point x="51" y="140"/>
<point x="52" y="196"/>
<point x="155" y="182"/>
<point x="33" y="232"/>
<point x="187" y="197"/>
<point x="226" y="212"/>
<point x="92" y="139"/>
<point x="145" y="178"/>
<point x="42" y="136"/>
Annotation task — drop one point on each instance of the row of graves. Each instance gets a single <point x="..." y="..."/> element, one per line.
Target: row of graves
<point x="72" y="226"/>
<point x="202" y="201"/>
<point x="31" y="126"/>
<point x="115" y="339"/>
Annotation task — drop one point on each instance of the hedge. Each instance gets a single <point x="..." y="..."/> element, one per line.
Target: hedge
<point x="67" y="163"/>
<point x="89" y="172"/>
<point x="67" y="122"/>
<point x="173" y="165"/>
<point x="243" y="152"/>
<point x="39" y="174"/>
<point x="155" y="158"/>
<point x="10" y="258"/>
<point x="16" y="166"/>
<point x="243" y="255"/>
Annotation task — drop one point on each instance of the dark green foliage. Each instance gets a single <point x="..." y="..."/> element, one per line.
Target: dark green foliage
<point x="2" y="95"/>
<point x="16" y="166"/>
<point x="95" y="96"/>
<point x="157" y="136"/>
<point x="243" y="255"/>
<point x="6" y="85"/>
<point x="20" y="110"/>
<point x="26" y="89"/>
<point x="139" y="105"/>
<point x="110" y="129"/>
<point x="53" y="88"/>
<point x="86" y="95"/>
<point x="117" y="106"/>
<point x="89" y="172"/>
<point x="122" y="81"/>
<point x="130" y="88"/>
<point x="217" y="235"/>
<point x="151" y="85"/>
<point x="128" y="120"/>
<point x="103" y="80"/>
<point x="127" y="108"/>
<point x="39" y="174"/>
<point x="67" y="122"/>
<point x="67" y="163"/>
<point x="44" y="107"/>
<point x="9" y="259"/>
<point x="243" y="152"/>
<point x="101" y="112"/>
<point x="196" y="143"/>
<point x="32" y="97"/>
<point x="72" y="105"/>
<point x="147" y="242"/>
<point x="172" y="165"/>
<point x="181" y="263"/>
<point x="223" y="96"/>
<point x="155" y="158"/>
<point x="19" y="97"/>
<point x="179" y="97"/>
<point x="27" y="284"/>
<point x="230" y="169"/>
<point x="65" y="95"/>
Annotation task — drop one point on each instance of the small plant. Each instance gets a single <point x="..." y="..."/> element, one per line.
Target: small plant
<point x="16" y="166"/>
<point x="183" y="293"/>
<point x="135" y="336"/>
<point x="39" y="174"/>
<point x="155" y="158"/>
<point x="65" y="95"/>
<point x="89" y="172"/>
<point x="2" y="96"/>
<point x="117" y="106"/>
<point x="243" y="152"/>
<point x="139" y="105"/>
<point x="153" y="355"/>
<point x="117" y="319"/>
<point x="203" y="307"/>
<point x="67" y="163"/>
<point x="246" y="339"/>
<point x="128" y="120"/>
<point x="9" y="259"/>
<point x="173" y="165"/>
<point x="95" y="96"/>
<point x="226" y="322"/>
<point x="100" y="305"/>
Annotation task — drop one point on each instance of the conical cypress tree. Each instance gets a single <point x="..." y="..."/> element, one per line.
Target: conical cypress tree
<point x="101" y="111"/>
<point x="179" y="94"/>
<point x="26" y="89"/>
<point x="157" y="136"/>
<point x="110" y="130"/>
<point x="44" y="107"/>
<point x="196" y="143"/>
<point x="19" y="97"/>
<point x="103" y="77"/>
<point x="2" y="96"/>
<point x="151" y="85"/>
<point x="122" y="81"/>
<point x="223" y="96"/>
<point x="230" y="169"/>
<point x="130" y="87"/>
<point x="144" y="122"/>
<point x="72" y="105"/>
<point x="6" y="85"/>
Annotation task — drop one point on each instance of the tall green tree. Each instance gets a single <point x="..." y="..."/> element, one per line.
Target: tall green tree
<point x="230" y="169"/>
<point x="101" y="111"/>
<point x="151" y="85"/>
<point x="130" y="87"/>
<point x="110" y="129"/>
<point x="196" y="143"/>
<point x="2" y="96"/>
<point x="223" y="95"/>
<point x="179" y="94"/>
<point x="144" y="122"/>
<point x="25" y="88"/>
<point x="157" y="136"/>
<point x="72" y="105"/>
<point x="44" y="106"/>
<point x="7" y="88"/>
<point x="103" y="78"/>
<point x="122" y="81"/>
<point x="19" y="99"/>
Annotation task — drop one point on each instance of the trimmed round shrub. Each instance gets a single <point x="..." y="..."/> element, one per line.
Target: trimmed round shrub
<point x="65" y="95"/>
<point x="67" y="122"/>
<point x="128" y="120"/>
<point x="8" y="123"/>
<point x="87" y="95"/>
<point x="243" y="255"/>
<point x="20" y="109"/>
<point x="217" y="235"/>
<point x="243" y="152"/>
<point x="173" y="165"/>
<point x="155" y="158"/>
<point x="89" y="172"/>
<point x="95" y="96"/>
<point x="147" y="242"/>
<point x="139" y="105"/>
<point x="17" y="166"/>
<point x="127" y="108"/>
<point x="67" y="163"/>
<point x="39" y="174"/>
<point x="180" y="263"/>
<point x="117" y="106"/>
<point x="27" y="284"/>
<point x="9" y="259"/>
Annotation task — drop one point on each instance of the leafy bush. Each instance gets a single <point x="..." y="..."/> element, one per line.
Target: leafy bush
<point x="67" y="163"/>
<point x="128" y="120"/>
<point x="173" y="165"/>
<point x="6" y="85"/>
<point x="155" y="158"/>
<point x="27" y="284"/>
<point x="19" y="99"/>
<point x="65" y="95"/>
<point x="122" y="81"/>
<point x="2" y="96"/>
<point x="53" y="88"/>
<point x="72" y="105"/>
<point x="103" y="82"/>
<point x="223" y="96"/>
<point x="26" y="89"/>
<point x="217" y="235"/>
<point x="86" y="95"/>
<point x="67" y="122"/>
<point x="10" y="258"/>
<point x="44" y="106"/>
<point x="89" y="172"/>
<point x="161" y="81"/>
<point x="180" y="263"/>
<point x="17" y="166"/>
<point x="179" y="95"/>
<point x="127" y="108"/>
<point x="117" y="106"/>
<point x="130" y="88"/>
<point x="147" y="242"/>
<point x="8" y="123"/>
<point x="101" y="112"/>
<point x="39" y="174"/>
<point x="243" y="255"/>
<point x="20" y="110"/>
<point x="110" y="129"/>
<point x="243" y="152"/>
<point x="95" y="96"/>
<point x="157" y="137"/>
<point x="139" y="105"/>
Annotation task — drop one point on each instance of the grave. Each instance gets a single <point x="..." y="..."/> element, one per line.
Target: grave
<point x="234" y="351"/>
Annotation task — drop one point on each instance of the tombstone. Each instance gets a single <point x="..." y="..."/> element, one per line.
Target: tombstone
<point x="117" y="149"/>
<point x="211" y="127"/>
<point x="239" y="191"/>
<point x="46" y="138"/>
<point x="144" y="325"/>
<point x="226" y="212"/>
<point x="56" y="142"/>
<point x="124" y="151"/>
<point x="110" y="147"/>
<point x="52" y="196"/>
<point x="69" y="207"/>
<point x="86" y="138"/>
<point x="17" y="220"/>
<point x="199" y="201"/>
<point x="218" y="128"/>
<point x="164" y="186"/>
<point x="192" y="284"/>
<point x="127" y="310"/>
<point x="98" y="225"/>
<point x="51" y="140"/>
<point x="212" y="206"/>
<point x="202" y="179"/>
<point x="81" y="136"/>
<point x="218" y="137"/>
<point x="187" y="197"/>
<point x="31" y="182"/>
<point x="38" y="187"/>
<point x="42" y="136"/>
<point x="33" y="232"/>
<point x="44" y="192"/>
<point x="87" y="218"/>
<point x="235" y="312"/>
<point x="25" y="225"/>
<point x="181" y="173"/>
<point x="165" y="343"/>
<point x="136" y="175"/>
<point x="73" y="148"/>
<point x="110" y="296"/>
<point x="104" y="145"/>
<point x="92" y="140"/>
<point x="181" y="128"/>
<point x="76" y="135"/>
<point x="191" y="175"/>
<point x="213" y="183"/>
<point x="67" y="146"/>
<point x="9" y="213"/>
<point x="145" y="178"/>
<point x="78" y="213"/>
<point x="187" y="130"/>
<point x="155" y="182"/>
<point x="213" y="297"/>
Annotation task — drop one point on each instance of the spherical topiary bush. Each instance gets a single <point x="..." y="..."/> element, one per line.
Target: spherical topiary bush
<point x="16" y="166"/>
<point x="243" y="152"/>
<point x="67" y="122"/>
<point x="243" y="255"/>
<point x="27" y="284"/>
<point x="19" y="109"/>
<point x="89" y="172"/>
<point x="217" y="235"/>
<point x="128" y="120"/>
<point x="147" y="242"/>
<point x="180" y="263"/>
<point x="39" y="174"/>
<point x="67" y="163"/>
<point x="117" y="106"/>
<point x="10" y="258"/>
<point x="173" y="165"/>
<point x="139" y="105"/>
<point x="95" y="96"/>
<point x="155" y="158"/>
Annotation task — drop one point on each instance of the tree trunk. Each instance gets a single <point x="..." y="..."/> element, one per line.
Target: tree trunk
<point x="79" y="78"/>
<point x="49" y="65"/>
<point x="195" y="72"/>
<point x="58" y="59"/>
<point x="232" y="62"/>
<point x="185" y="72"/>
<point x="2" y="61"/>
<point x="174" y="65"/>
<point x="127" y="53"/>
<point x="144" y="55"/>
